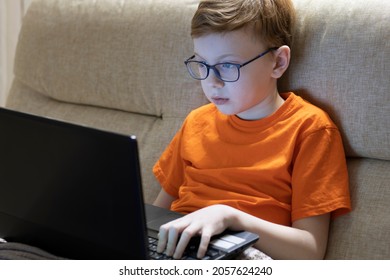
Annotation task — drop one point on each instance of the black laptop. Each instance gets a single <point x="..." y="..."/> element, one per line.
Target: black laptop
<point x="76" y="192"/>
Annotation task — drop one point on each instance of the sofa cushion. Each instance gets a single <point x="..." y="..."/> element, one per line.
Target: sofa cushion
<point x="341" y="62"/>
<point x="106" y="54"/>
<point x="93" y="56"/>
<point x="365" y="232"/>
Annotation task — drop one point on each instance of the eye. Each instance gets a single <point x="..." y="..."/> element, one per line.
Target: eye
<point x="227" y="66"/>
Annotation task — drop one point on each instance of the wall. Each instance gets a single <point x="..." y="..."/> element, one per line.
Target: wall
<point x="11" y="14"/>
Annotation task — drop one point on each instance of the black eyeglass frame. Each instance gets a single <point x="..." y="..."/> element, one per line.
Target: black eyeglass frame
<point x="213" y="67"/>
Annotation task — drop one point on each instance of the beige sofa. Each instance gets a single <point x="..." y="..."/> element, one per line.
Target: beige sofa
<point x="118" y="65"/>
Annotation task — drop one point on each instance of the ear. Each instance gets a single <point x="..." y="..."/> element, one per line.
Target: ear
<point x="281" y="61"/>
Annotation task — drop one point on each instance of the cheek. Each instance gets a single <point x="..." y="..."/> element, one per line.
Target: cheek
<point x="206" y="89"/>
<point x="258" y="81"/>
<point x="242" y="87"/>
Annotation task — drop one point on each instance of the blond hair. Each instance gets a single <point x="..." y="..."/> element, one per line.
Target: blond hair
<point x="270" y="20"/>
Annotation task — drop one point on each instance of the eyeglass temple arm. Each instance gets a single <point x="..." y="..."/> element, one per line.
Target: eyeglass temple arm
<point x="192" y="57"/>
<point x="260" y="55"/>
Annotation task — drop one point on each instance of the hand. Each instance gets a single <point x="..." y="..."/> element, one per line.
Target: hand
<point x="205" y="222"/>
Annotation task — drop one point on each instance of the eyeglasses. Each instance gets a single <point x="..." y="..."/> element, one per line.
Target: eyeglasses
<point x="225" y="71"/>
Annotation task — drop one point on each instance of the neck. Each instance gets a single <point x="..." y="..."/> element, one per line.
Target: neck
<point x="264" y="109"/>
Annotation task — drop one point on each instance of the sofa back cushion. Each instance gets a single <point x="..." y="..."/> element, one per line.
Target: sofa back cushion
<point x="123" y="55"/>
<point x="341" y="62"/>
<point x="128" y="55"/>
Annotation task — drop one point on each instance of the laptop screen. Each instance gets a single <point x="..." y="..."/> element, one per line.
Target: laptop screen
<point x="71" y="190"/>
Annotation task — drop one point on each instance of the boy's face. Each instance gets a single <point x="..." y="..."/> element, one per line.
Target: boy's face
<point x="252" y="95"/>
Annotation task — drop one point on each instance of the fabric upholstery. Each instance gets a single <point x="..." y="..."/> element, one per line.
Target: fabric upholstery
<point x="118" y="65"/>
<point x="365" y="232"/>
<point x="340" y="61"/>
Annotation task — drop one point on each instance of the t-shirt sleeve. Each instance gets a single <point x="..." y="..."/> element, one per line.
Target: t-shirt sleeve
<point x="319" y="176"/>
<point x="169" y="169"/>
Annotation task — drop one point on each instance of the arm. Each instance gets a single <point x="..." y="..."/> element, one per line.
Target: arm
<point x="164" y="200"/>
<point x="306" y="239"/>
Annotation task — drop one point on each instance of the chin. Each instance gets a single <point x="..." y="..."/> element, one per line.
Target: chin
<point x="227" y="111"/>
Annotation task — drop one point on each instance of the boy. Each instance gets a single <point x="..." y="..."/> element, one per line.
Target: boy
<point x="252" y="159"/>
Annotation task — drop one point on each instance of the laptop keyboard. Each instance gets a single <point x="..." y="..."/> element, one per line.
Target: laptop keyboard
<point x="189" y="254"/>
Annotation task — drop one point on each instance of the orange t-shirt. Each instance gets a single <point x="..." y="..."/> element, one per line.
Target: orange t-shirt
<point x="281" y="168"/>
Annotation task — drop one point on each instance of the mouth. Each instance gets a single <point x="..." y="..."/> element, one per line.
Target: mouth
<point x="219" y="100"/>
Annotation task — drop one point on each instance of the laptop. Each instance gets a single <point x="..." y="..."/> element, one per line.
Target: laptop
<point x="76" y="192"/>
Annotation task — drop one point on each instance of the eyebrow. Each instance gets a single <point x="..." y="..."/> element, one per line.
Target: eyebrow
<point x="219" y="57"/>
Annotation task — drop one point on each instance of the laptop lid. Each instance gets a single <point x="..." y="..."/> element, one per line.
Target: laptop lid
<point x="71" y="190"/>
<point x="76" y="192"/>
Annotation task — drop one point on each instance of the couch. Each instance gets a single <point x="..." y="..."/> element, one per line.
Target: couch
<point x="118" y="65"/>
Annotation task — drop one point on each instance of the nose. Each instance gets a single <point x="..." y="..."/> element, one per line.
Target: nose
<point x="213" y="80"/>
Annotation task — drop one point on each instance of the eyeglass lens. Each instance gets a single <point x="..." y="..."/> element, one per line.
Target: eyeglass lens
<point x="224" y="71"/>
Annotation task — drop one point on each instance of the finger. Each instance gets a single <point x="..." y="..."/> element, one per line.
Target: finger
<point x="204" y="244"/>
<point x="185" y="238"/>
<point x="162" y="239"/>
<point x="169" y="234"/>
<point x="173" y="236"/>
